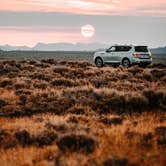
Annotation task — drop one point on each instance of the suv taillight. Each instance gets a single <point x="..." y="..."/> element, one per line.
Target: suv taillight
<point x="136" y="55"/>
<point x="150" y="55"/>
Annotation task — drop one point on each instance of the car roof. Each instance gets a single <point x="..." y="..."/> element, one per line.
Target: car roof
<point x="130" y="45"/>
<point x="123" y="45"/>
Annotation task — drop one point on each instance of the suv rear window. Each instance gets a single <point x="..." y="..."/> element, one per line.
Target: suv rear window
<point x="141" y="49"/>
<point x="123" y="48"/>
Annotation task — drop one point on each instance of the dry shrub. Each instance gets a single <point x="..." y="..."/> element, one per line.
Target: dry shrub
<point x="147" y="136"/>
<point x="78" y="110"/>
<point x="45" y="138"/>
<point x="2" y="103"/>
<point x="12" y="112"/>
<point x="161" y="135"/>
<point x="63" y="82"/>
<point x="61" y="70"/>
<point x="21" y="85"/>
<point x="157" y="65"/>
<point x="146" y="75"/>
<point x="40" y="85"/>
<point x="61" y="106"/>
<point x="163" y="79"/>
<point x="160" y="130"/>
<point x="12" y="75"/>
<point x="135" y="69"/>
<point x="115" y="161"/>
<point x="6" y="139"/>
<point x="6" y="82"/>
<point x="99" y="83"/>
<point x="111" y="121"/>
<point x="27" y="67"/>
<point x="32" y="62"/>
<point x="132" y="135"/>
<point x="41" y="76"/>
<point x="155" y="98"/>
<point x="24" y="138"/>
<point x="42" y="65"/>
<point x="77" y="143"/>
<point x="59" y="128"/>
<point x="17" y="112"/>
<point x="73" y="119"/>
<point x="75" y="73"/>
<point x="158" y="73"/>
<point x="82" y="64"/>
<point x="124" y="76"/>
<point x="113" y="101"/>
<point x="5" y="69"/>
<point x="62" y="63"/>
<point x="23" y="92"/>
<point x="49" y="61"/>
<point x="146" y="140"/>
<point x="23" y="99"/>
<point x="136" y="103"/>
<point x="45" y="104"/>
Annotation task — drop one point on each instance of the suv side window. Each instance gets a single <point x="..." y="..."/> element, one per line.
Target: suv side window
<point x="123" y="48"/>
<point x="141" y="49"/>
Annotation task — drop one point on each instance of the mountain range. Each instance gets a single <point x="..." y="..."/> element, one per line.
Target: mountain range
<point x="56" y="47"/>
<point x="69" y="47"/>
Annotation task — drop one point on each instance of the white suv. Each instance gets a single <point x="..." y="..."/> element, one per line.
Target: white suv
<point x="125" y="55"/>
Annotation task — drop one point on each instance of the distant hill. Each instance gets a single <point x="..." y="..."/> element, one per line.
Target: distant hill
<point x="57" y="47"/>
<point x="160" y="50"/>
<point x="69" y="47"/>
<point x="13" y="48"/>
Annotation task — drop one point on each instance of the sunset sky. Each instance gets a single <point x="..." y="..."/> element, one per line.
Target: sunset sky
<point x="27" y="22"/>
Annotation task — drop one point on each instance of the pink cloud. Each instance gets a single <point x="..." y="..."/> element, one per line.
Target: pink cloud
<point x="121" y="7"/>
<point x="32" y="35"/>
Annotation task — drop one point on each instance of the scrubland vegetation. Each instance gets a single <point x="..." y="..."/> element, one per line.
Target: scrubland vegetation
<point x="72" y="113"/>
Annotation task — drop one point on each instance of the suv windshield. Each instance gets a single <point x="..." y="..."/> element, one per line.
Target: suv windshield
<point x="141" y="49"/>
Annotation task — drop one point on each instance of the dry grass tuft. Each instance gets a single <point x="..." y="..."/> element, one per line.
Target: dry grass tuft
<point x="76" y="143"/>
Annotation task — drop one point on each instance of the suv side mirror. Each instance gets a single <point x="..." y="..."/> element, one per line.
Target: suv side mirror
<point x="107" y="50"/>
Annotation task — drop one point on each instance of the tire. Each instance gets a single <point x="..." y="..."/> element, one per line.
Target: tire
<point x="126" y="62"/>
<point x="99" y="62"/>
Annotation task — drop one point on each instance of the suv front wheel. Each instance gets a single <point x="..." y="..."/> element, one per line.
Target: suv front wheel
<point x="126" y="62"/>
<point x="99" y="62"/>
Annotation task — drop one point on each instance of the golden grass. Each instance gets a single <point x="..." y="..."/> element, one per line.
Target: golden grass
<point x="73" y="113"/>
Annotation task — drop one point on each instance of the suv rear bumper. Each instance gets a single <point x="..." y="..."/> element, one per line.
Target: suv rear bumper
<point x="142" y="61"/>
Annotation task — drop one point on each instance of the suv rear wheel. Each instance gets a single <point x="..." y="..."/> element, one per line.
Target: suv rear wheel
<point x="99" y="62"/>
<point x="126" y="62"/>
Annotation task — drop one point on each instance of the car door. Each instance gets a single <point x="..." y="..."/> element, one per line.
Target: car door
<point x="117" y="54"/>
<point x="110" y="55"/>
<point x="120" y="52"/>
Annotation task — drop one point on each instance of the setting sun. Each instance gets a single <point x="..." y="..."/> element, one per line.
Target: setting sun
<point x="87" y="31"/>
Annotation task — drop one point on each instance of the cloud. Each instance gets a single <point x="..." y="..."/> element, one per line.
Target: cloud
<point x="40" y="29"/>
<point x="30" y="36"/>
<point x="91" y="7"/>
<point x="157" y="10"/>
